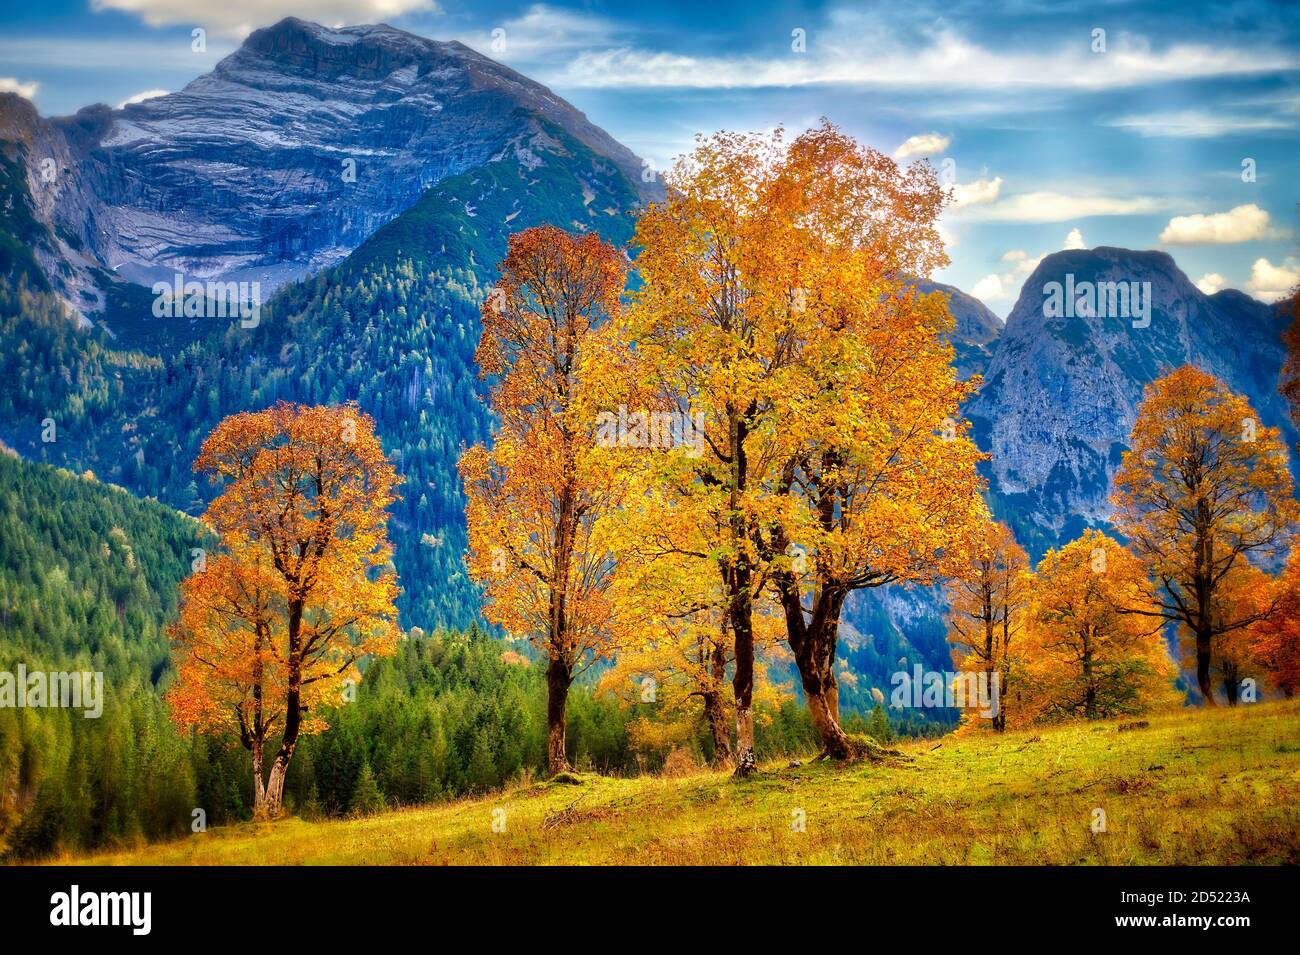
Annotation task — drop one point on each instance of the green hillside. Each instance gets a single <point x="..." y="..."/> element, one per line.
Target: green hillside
<point x="88" y="577"/>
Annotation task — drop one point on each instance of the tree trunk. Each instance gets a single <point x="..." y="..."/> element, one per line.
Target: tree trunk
<point x="742" y="683"/>
<point x="1204" y="643"/>
<point x="273" y="804"/>
<point x="558" y="678"/>
<point x="259" y="785"/>
<point x="739" y="577"/>
<point x="822" y="709"/>
<point x="1090" y="686"/>
<point x="815" y="658"/>
<point x="1230" y="683"/>
<point x="715" y="709"/>
<point x="1000" y="717"/>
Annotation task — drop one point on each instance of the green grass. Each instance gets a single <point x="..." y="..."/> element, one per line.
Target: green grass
<point x="1192" y="787"/>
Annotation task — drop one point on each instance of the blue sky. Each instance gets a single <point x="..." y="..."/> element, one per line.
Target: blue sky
<point x="1050" y="142"/>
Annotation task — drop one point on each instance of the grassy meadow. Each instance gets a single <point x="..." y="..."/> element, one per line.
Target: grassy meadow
<point x="1190" y="787"/>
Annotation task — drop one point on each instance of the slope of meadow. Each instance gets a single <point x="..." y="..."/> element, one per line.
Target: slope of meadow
<point x="1192" y="787"/>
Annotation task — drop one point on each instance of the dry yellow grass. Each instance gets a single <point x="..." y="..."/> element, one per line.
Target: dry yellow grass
<point x="1193" y="787"/>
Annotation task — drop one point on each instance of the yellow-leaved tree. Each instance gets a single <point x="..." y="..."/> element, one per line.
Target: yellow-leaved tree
<point x="713" y="341"/>
<point x="1088" y="654"/>
<point x="539" y="501"/>
<point x="874" y="478"/>
<point x="1204" y="488"/>
<point x="272" y="627"/>
<point x="988" y="608"/>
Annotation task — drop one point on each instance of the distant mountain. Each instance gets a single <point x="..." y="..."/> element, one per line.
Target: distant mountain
<point x="289" y="154"/>
<point x="976" y="329"/>
<point x="1061" y="393"/>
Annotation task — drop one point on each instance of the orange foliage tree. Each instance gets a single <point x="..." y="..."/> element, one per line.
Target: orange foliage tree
<point x="539" y="500"/>
<point x="1204" y="488"/>
<point x="271" y="628"/>
<point x="987" y="611"/>
<point x="875" y="478"/>
<point x="1088" y="656"/>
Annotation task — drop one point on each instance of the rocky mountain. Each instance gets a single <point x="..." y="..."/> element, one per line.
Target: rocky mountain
<point x="283" y="159"/>
<point x="1062" y="389"/>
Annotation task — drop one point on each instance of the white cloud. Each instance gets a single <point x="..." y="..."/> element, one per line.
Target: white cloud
<point x="10" y="85"/>
<point x="925" y="144"/>
<point x="976" y="193"/>
<point x="142" y="96"/>
<point x="542" y="31"/>
<point x="1057" y="207"/>
<point x="238" y="18"/>
<point x="1023" y="263"/>
<point x="943" y="60"/>
<point x="989" y="288"/>
<point x="1197" y="124"/>
<point x="1241" y="224"/>
<point x="1006" y="285"/>
<point x="1211" y="282"/>
<point x="1271" y="282"/>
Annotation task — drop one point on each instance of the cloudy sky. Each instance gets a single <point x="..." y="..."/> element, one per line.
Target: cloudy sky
<point x="1176" y="128"/>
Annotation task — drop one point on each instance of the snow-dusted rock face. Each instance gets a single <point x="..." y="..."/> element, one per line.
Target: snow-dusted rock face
<point x="290" y="153"/>
<point x="1062" y="391"/>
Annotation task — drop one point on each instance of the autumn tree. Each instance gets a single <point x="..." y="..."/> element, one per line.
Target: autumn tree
<point x="683" y="646"/>
<point x="875" y="478"/>
<point x="1087" y="656"/>
<point x="538" y="500"/>
<point x="272" y="627"/>
<point x="1204" y="488"/>
<point x="987" y="610"/>
<point x="713" y="340"/>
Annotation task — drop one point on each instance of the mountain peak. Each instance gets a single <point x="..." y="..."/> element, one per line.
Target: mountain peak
<point x="291" y="152"/>
<point x="1062" y="390"/>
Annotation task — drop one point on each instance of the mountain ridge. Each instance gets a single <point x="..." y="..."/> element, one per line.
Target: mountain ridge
<point x="281" y="160"/>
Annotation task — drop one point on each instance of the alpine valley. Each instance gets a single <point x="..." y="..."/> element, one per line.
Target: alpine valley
<point x="367" y="179"/>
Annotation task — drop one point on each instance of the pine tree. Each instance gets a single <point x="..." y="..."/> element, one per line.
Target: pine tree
<point x="367" y="798"/>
